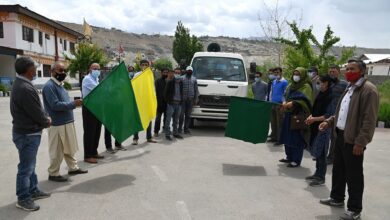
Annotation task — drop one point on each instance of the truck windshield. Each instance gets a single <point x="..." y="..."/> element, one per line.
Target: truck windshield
<point x="219" y="68"/>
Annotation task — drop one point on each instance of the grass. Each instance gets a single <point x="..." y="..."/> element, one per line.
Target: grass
<point x="384" y="102"/>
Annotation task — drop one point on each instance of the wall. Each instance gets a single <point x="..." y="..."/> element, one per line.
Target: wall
<point x="7" y="65"/>
<point x="377" y="80"/>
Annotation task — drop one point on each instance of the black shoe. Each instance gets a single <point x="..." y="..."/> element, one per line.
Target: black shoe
<point x="78" y="171"/>
<point x="180" y="131"/>
<point x="350" y="215"/>
<point x="276" y="144"/>
<point x="58" y="178"/>
<point x="329" y="161"/>
<point x="317" y="182"/>
<point x="311" y="178"/>
<point x="187" y="132"/>
<point x="39" y="195"/>
<point x="27" y="205"/>
<point x="332" y="202"/>
<point x="178" y="136"/>
<point x="293" y="165"/>
<point x="284" y="161"/>
<point x="272" y="140"/>
<point x="120" y="148"/>
<point x="168" y="138"/>
<point x="110" y="151"/>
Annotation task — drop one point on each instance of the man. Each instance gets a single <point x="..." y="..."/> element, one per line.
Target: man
<point x="259" y="88"/>
<point x="354" y="126"/>
<point x="28" y="121"/>
<point x="62" y="133"/>
<point x="313" y="74"/>
<point x="178" y="71"/>
<point x="338" y="87"/>
<point x="144" y="64"/>
<point x="279" y="85"/>
<point x="161" y="105"/>
<point x="131" y="70"/>
<point x="92" y="126"/>
<point x="173" y="96"/>
<point x="190" y="98"/>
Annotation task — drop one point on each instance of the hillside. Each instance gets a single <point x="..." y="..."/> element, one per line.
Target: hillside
<point x="155" y="46"/>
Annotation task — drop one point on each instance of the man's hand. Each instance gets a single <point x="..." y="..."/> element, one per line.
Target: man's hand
<point x="323" y="126"/>
<point x="49" y="123"/>
<point x="358" y="150"/>
<point x="310" y="120"/>
<point x="78" y="102"/>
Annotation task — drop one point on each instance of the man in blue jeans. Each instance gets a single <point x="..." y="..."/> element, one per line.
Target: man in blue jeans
<point x="28" y="119"/>
<point x="173" y="96"/>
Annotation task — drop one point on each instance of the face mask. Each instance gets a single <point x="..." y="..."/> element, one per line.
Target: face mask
<point x="278" y="77"/>
<point x="318" y="86"/>
<point x="352" y="76"/>
<point x="296" y="78"/>
<point x="35" y="77"/>
<point x="164" y="76"/>
<point x="189" y="73"/>
<point x="271" y="76"/>
<point x="177" y="76"/>
<point x="60" y="76"/>
<point x="95" y="73"/>
<point x="131" y="74"/>
<point x="257" y="79"/>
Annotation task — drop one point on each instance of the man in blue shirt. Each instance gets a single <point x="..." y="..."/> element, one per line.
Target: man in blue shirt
<point x="279" y="86"/>
<point x="62" y="133"/>
<point x="92" y="126"/>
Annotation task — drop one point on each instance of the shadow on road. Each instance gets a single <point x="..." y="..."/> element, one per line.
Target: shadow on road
<point x="243" y="170"/>
<point x="297" y="172"/>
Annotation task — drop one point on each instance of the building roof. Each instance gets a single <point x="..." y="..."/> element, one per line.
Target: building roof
<point x="372" y="58"/>
<point x="25" y="11"/>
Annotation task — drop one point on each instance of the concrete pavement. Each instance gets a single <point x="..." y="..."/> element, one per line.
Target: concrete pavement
<point x="204" y="176"/>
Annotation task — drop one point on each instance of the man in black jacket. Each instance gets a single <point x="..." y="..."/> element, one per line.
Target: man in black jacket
<point x="28" y="119"/>
<point x="173" y="96"/>
<point x="161" y="105"/>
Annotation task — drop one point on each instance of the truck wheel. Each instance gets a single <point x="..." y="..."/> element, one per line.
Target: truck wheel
<point x="192" y="123"/>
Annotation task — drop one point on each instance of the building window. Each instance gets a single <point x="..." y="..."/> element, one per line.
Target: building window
<point x="28" y="34"/>
<point x="1" y="30"/>
<point x="40" y="38"/>
<point x="60" y="41"/>
<point x="39" y="73"/>
<point x="65" y="46"/>
<point x="47" y="36"/>
<point x="46" y="70"/>
<point x="71" y="47"/>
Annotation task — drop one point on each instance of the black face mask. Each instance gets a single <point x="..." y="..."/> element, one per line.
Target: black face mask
<point x="189" y="74"/>
<point x="60" y="77"/>
<point x="164" y="76"/>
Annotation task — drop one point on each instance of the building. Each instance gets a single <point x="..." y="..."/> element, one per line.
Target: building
<point x="26" y="33"/>
<point x="377" y="64"/>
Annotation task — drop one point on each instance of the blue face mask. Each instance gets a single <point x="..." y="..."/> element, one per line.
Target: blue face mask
<point x="131" y="74"/>
<point x="271" y="76"/>
<point x="95" y="73"/>
<point x="257" y="79"/>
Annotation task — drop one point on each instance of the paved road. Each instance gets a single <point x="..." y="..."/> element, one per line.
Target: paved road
<point x="205" y="176"/>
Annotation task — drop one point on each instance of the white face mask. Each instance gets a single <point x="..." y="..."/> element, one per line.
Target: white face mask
<point x="296" y="78"/>
<point x="318" y="87"/>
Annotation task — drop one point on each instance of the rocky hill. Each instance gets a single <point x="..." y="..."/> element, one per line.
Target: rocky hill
<point x="157" y="46"/>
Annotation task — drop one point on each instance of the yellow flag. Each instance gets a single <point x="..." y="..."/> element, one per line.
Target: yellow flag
<point x="145" y="96"/>
<point x="87" y="30"/>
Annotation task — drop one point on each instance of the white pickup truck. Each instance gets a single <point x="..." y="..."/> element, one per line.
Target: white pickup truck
<point x="219" y="75"/>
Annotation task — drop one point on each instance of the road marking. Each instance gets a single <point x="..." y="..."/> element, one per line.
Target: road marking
<point x="182" y="210"/>
<point x="161" y="175"/>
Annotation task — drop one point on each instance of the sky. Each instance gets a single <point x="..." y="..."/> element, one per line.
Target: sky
<point x="357" y="22"/>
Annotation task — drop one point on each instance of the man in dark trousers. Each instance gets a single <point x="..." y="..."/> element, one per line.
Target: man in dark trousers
<point x="354" y="126"/>
<point x="28" y="121"/>
<point x="161" y="105"/>
<point x="92" y="126"/>
<point x="338" y="88"/>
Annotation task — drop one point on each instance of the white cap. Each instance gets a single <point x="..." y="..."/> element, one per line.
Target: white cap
<point x="189" y="68"/>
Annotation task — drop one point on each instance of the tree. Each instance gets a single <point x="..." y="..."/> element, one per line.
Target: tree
<point x="274" y="24"/>
<point x="83" y="56"/>
<point x="185" y="46"/>
<point x="300" y="53"/>
<point x="162" y="63"/>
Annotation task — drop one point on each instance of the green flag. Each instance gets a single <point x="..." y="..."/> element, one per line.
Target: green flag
<point x="248" y="120"/>
<point x="114" y="104"/>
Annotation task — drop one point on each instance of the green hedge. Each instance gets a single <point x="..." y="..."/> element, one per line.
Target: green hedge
<point x="384" y="106"/>
<point x="67" y="86"/>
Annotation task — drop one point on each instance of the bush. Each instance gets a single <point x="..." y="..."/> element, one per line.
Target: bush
<point x="384" y="106"/>
<point x="3" y="88"/>
<point x="67" y="86"/>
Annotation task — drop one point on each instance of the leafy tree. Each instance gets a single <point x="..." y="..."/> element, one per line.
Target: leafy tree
<point x="299" y="52"/>
<point x="185" y="46"/>
<point x="162" y="63"/>
<point x="83" y="56"/>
